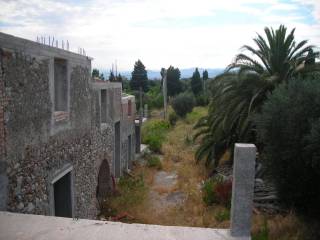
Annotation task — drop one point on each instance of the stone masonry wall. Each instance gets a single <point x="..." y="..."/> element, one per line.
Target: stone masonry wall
<point x="127" y="128"/>
<point x="2" y="104"/>
<point x="33" y="154"/>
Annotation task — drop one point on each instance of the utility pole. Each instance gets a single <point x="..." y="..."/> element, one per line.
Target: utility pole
<point x="165" y="98"/>
<point x="140" y="110"/>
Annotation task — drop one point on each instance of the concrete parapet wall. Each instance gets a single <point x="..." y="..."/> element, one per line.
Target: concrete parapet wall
<point x="19" y="226"/>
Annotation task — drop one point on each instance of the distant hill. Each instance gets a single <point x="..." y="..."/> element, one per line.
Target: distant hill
<point x="185" y="73"/>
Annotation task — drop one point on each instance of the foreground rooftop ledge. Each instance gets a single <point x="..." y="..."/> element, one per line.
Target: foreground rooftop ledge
<point x="26" y="226"/>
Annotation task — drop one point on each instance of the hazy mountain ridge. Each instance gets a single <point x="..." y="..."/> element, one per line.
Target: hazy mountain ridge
<point x="185" y="73"/>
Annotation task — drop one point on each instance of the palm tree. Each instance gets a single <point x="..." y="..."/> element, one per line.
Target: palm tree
<point x="241" y="90"/>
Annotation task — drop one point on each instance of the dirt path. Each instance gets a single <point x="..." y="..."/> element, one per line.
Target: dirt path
<point x="163" y="193"/>
<point x="173" y="194"/>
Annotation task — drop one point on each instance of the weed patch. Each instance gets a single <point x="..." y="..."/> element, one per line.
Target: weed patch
<point x="132" y="192"/>
<point x="154" y="162"/>
<point x="222" y="215"/>
<point x="216" y="190"/>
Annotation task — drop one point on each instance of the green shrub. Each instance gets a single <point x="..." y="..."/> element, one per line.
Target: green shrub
<point x="173" y="118"/>
<point x="154" y="142"/>
<point x="202" y="100"/>
<point x="132" y="191"/>
<point x="289" y="127"/>
<point x="183" y="104"/>
<point x="209" y="196"/>
<point x="154" y="162"/>
<point x="154" y="101"/>
<point x="222" y="215"/>
<point x="223" y="192"/>
<point x="154" y="134"/>
<point x="128" y="183"/>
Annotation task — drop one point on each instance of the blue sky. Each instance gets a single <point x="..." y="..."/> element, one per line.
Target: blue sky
<point x="203" y="33"/>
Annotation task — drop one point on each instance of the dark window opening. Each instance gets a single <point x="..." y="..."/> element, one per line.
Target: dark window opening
<point x="137" y="134"/>
<point x="60" y="85"/>
<point x="117" y="149"/>
<point x="103" y="106"/>
<point x="129" y="108"/>
<point x="104" y="187"/>
<point x="62" y="196"/>
<point x="129" y="152"/>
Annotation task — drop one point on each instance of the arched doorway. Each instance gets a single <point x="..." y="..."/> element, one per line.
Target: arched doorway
<point x="104" y="188"/>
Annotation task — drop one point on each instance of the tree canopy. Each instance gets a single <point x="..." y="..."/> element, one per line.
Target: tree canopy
<point x="95" y="72"/>
<point x="196" y="83"/>
<point x="242" y="89"/>
<point x="111" y="77"/>
<point x="174" y="85"/>
<point x="205" y="77"/>
<point x="139" y="77"/>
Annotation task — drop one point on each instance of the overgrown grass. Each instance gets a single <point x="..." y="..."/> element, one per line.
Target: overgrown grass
<point x="196" y="114"/>
<point x="278" y="227"/>
<point x="263" y="233"/>
<point x="178" y="156"/>
<point x="132" y="192"/>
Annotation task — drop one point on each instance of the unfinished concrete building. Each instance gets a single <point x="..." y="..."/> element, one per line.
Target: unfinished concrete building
<point x="62" y="135"/>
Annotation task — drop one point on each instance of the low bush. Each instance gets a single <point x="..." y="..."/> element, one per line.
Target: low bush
<point x="289" y="127"/>
<point x="183" y="104"/>
<point x="154" y="162"/>
<point x="223" y="191"/>
<point x="222" y="215"/>
<point x="154" y="101"/>
<point x="154" y="134"/>
<point x="217" y="190"/>
<point x="132" y="191"/>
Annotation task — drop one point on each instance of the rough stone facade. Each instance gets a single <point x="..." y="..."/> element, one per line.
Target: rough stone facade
<point x="128" y="130"/>
<point x="37" y="142"/>
<point x="117" y="111"/>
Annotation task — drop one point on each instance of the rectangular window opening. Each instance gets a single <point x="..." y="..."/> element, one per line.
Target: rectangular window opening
<point x="103" y="106"/>
<point x="60" y="85"/>
<point x="129" y="108"/>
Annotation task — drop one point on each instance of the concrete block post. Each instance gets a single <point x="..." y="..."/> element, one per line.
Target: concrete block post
<point x="242" y="190"/>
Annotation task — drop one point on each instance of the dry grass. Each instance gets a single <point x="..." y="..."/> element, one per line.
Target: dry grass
<point x="279" y="227"/>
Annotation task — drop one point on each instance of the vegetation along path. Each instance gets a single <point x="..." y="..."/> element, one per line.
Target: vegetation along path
<point x="166" y="187"/>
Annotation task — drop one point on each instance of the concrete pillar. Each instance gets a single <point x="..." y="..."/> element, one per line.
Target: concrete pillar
<point x="242" y="190"/>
